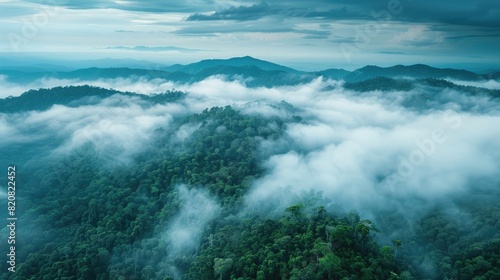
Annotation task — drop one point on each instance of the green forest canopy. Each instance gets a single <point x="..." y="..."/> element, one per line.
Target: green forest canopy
<point x="83" y="221"/>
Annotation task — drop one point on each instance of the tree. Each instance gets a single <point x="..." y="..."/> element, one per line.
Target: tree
<point x="221" y="266"/>
<point x="364" y="228"/>
<point x="397" y="243"/>
<point x="295" y="210"/>
<point x="331" y="263"/>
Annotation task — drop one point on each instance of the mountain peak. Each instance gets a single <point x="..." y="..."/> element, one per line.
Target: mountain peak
<point x="243" y="61"/>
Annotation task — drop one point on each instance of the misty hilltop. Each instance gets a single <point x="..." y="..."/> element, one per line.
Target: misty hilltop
<point x="246" y="61"/>
<point x="246" y="169"/>
<point x="251" y="71"/>
<point x="247" y="71"/>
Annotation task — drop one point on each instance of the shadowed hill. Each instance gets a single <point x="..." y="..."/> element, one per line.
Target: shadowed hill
<point x="417" y="71"/>
<point x="72" y="96"/>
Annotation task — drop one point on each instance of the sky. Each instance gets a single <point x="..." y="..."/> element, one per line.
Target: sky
<point x="307" y="35"/>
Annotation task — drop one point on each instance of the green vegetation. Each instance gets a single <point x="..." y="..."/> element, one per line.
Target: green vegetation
<point x="82" y="219"/>
<point x="74" y="96"/>
<point x="89" y="214"/>
<point x="457" y="246"/>
<point x="296" y="246"/>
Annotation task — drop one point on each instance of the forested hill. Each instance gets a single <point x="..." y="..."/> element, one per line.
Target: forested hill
<point x="118" y="185"/>
<point x="232" y="62"/>
<point x="101" y="224"/>
<point x="74" y="96"/>
<point x="254" y="72"/>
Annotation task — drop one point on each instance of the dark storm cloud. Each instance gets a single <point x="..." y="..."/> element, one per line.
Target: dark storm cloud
<point x="473" y="36"/>
<point x="484" y="13"/>
<point x="238" y="13"/>
<point x="257" y="11"/>
<point x="475" y="13"/>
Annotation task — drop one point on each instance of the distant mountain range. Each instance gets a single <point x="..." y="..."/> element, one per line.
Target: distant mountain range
<point x="253" y="72"/>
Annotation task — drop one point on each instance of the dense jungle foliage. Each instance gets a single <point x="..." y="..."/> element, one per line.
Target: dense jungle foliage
<point x="83" y="217"/>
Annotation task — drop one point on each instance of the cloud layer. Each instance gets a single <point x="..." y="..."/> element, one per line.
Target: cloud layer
<point x="365" y="151"/>
<point x="368" y="151"/>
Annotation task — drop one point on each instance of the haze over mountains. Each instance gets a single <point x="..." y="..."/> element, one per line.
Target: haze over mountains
<point x="246" y="169"/>
<point x="239" y="64"/>
<point x="250" y="140"/>
<point x="252" y="72"/>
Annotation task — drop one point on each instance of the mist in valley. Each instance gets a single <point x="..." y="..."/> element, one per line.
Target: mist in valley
<point x="378" y="153"/>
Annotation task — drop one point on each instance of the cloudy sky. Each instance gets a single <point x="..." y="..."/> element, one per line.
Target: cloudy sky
<point x="308" y="35"/>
